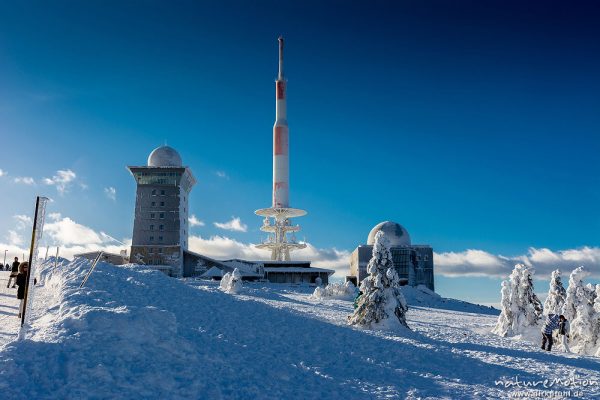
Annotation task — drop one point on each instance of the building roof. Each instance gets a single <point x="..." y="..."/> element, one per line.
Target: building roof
<point x="164" y="156"/>
<point x="394" y="232"/>
<point x="298" y="270"/>
<point x="213" y="272"/>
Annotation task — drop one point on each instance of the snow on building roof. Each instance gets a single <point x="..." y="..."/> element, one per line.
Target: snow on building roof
<point x="298" y="270"/>
<point x="213" y="272"/>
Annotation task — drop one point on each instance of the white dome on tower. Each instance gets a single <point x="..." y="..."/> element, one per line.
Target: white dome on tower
<point x="395" y="233"/>
<point x="164" y="156"/>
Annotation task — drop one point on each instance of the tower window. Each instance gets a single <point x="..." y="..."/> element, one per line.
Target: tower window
<point x="153" y="192"/>
<point x="151" y="215"/>
<point x="161" y="215"/>
<point x="162" y="192"/>
<point x="152" y="227"/>
<point x="162" y="203"/>
<point x="160" y="250"/>
<point x="161" y="227"/>
<point x="153" y="203"/>
<point x="160" y="238"/>
<point x="151" y="238"/>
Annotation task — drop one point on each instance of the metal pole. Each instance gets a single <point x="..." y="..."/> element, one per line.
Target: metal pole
<point x="31" y="248"/>
<point x="91" y="269"/>
<point x="56" y="258"/>
<point x="46" y="257"/>
<point x="4" y="258"/>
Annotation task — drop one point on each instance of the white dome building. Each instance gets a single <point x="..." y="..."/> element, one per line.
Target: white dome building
<point x="414" y="263"/>
<point x="394" y="232"/>
<point x="164" y="156"/>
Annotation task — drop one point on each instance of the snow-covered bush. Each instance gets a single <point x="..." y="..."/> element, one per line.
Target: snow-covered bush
<point x="556" y="295"/>
<point x="225" y="281"/>
<point x="521" y="307"/>
<point x="231" y="282"/>
<point x="381" y="304"/>
<point x="336" y="290"/>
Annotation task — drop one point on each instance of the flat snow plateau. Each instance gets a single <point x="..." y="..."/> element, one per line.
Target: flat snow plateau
<point x="135" y="333"/>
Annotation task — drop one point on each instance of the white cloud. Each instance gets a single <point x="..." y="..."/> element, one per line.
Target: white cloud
<point x="14" y="239"/>
<point x="222" y="174"/>
<point x="111" y="193"/>
<point x="54" y="216"/>
<point x="481" y="263"/>
<point x="72" y="237"/>
<point x="62" y="180"/>
<point x="66" y="232"/>
<point x="23" y="221"/>
<point x="2" y="172"/>
<point x="195" y="221"/>
<point x="234" y="225"/>
<point x="26" y="180"/>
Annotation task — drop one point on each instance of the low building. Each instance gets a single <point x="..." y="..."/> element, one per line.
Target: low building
<point x="414" y="263"/>
<point x="112" y="258"/>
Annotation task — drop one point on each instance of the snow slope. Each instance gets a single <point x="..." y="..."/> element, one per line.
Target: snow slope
<point x="135" y="333"/>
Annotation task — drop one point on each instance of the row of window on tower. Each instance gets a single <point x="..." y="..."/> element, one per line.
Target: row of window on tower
<point x="160" y="215"/>
<point x="160" y="238"/>
<point x="160" y="227"/>
<point x="162" y="204"/>
<point x="154" y="192"/>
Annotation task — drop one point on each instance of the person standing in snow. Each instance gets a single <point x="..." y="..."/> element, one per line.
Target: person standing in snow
<point x="563" y="332"/>
<point x="14" y="272"/>
<point x="22" y="282"/>
<point x="550" y="325"/>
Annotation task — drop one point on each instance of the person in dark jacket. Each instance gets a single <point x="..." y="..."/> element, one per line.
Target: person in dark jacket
<point x="13" y="272"/>
<point x="563" y="333"/>
<point x="22" y="282"/>
<point x="550" y="325"/>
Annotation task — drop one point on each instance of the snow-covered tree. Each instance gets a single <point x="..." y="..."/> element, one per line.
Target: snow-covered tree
<point x="520" y="305"/>
<point x="583" y="326"/>
<point x="575" y="292"/>
<point x="529" y="300"/>
<point x="381" y="303"/>
<point x="231" y="282"/>
<point x="597" y="319"/>
<point x="580" y="310"/>
<point x="556" y="295"/>
<point x="505" y="320"/>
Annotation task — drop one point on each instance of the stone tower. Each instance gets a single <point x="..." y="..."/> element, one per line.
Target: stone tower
<point x="160" y="227"/>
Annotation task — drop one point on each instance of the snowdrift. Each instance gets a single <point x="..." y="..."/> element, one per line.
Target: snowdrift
<point x="135" y="333"/>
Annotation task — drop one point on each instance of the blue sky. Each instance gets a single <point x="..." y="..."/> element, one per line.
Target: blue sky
<point x="473" y="124"/>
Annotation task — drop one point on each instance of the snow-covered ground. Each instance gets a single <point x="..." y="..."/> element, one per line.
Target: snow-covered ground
<point x="9" y="308"/>
<point x="134" y="333"/>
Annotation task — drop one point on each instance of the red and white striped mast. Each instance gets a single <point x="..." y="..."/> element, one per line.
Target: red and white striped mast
<point x="280" y="212"/>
